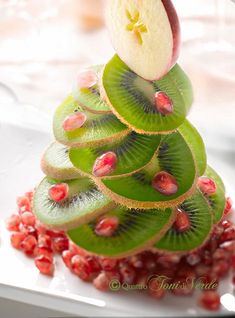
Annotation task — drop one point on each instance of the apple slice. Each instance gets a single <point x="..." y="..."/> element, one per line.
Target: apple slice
<point x="145" y="35"/>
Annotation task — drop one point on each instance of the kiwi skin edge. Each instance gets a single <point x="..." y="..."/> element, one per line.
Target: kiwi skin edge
<point x="147" y="244"/>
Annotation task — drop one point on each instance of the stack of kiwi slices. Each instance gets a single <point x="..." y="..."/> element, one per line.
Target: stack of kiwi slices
<point x="127" y="171"/>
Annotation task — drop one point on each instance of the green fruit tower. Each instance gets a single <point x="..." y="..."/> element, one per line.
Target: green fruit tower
<point x="128" y="172"/>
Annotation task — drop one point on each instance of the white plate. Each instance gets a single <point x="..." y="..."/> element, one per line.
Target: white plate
<point x="21" y="149"/>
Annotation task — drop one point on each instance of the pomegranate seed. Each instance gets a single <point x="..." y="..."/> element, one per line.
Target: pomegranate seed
<point x="94" y="263"/>
<point x="228" y="235"/>
<point x="29" y="195"/>
<point x="105" y="164"/>
<point x="108" y="264"/>
<point x="228" y="246"/>
<point x="233" y="262"/>
<point x="43" y="251"/>
<point x="17" y="238"/>
<point x="149" y="263"/>
<point x="87" y="79"/>
<point x="193" y="259"/>
<point x="206" y="185"/>
<point x="60" y="244"/>
<point x="220" y="268"/>
<point x="182" y="222"/>
<point x="81" y="267"/>
<point x="163" y="103"/>
<point x="226" y="224"/>
<point x="128" y="274"/>
<point x="155" y="290"/>
<point x="13" y="223"/>
<point x="28" y="244"/>
<point x="202" y="270"/>
<point x="30" y="230"/>
<point x="67" y="256"/>
<point x="23" y="202"/>
<point x="228" y="206"/>
<point x="210" y="300"/>
<point x="102" y="281"/>
<point x="74" y="249"/>
<point x="165" y="183"/>
<point x="220" y="254"/>
<point x="40" y="227"/>
<point x="217" y="231"/>
<point x="28" y="218"/>
<point x="136" y="261"/>
<point x="107" y="226"/>
<point x="44" y="264"/>
<point x="54" y="234"/>
<point x="206" y="258"/>
<point x="233" y="280"/>
<point x="45" y="241"/>
<point x="74" y="121"/>
<point x="58" y="192"/>
<point x="185" y="287"/>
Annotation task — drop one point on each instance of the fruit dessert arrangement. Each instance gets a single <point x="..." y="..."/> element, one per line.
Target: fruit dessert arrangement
<point x="128" y="192"/>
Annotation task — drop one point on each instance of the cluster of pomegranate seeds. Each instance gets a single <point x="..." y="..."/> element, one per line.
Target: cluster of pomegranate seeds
<point x="106" y="226"/>
<point x="86" y="79"/>
<point x="74" y="121"/>
<point x="58" y="192"/>
<point x="105" y="164"/>
<point x="163" y="103"/>
<point x="208" y="265"/>
<point x="165" y="183"/>
<point x="206" y="185"/>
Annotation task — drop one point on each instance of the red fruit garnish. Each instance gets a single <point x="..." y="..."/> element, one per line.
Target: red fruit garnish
<point x="210" y="300"/>
<point x="28" y="244"/>
<point x="43" y="251"/>
<point x="13" y="223"/>
<point x="45" y="241"/>
<point x="206" y="185"/>
<point x="226" y="224"/>
<point x="108" y="264"/>
<point x="102" y="281"/>
<point x="28" y="218"/>
<point x="81" y="267"/>
<point x="58" y="192"/>
<point x="17" y="238"/>
<point x="24" y="202"/>
<point x="44" y="264"/>
<point x="136" y="261"/>
<point x="107" y="226"/>
<point x="86" y="79"/>
<point x="233" y="262"/>
<point x="165" y="183"/>
<point x="193" y="259"/>
<point x="229" y="234"/>
<point x="60" y="244"/>
<point x="105" y="164"/>
<point x="233" y="280"/>
<point x="74" y="121"/>
<point x="128" y="274"/>
<point x="67" y="256"/>
<point x="154" y="288"/>
<point x="228" y="205"/>
<point x="163" y="103"/>
<point x="182" y="222"/>
<point x="74" y="249"/>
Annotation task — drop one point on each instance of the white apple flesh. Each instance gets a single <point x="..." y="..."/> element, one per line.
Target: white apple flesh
<point x="145" y="35"/>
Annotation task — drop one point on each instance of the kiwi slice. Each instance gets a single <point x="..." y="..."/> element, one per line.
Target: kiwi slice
<point x="133" y="152"/>
<point x="84" y="203"/>
<point x="89" y="98"/>
<point x="136" y="191"/>
<point x="195" y="142"/>
<point x="137" y="229"/>
<point x="98" y="129"/>
<point x="217" y="200"/>
<point x="56" y="164"/>
<point x="200" y="216"/>
<point x="131" y="97"/>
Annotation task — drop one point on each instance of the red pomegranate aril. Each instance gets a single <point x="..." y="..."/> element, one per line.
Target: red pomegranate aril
<point x="233" y="280"/>
<point x="60" y="244"/>
<point x="202" y="269"/>
<point x="43" y="251"/>
<point x="210" y="300"/>
<point x="163" y="103"/>
<point x="102" y="281"/>
<point x="28" y="218"/>
<point x="58" y="192"/>
<point x="228" y="246"/>
<point x="149" y="263"/>
<point x="53" y="233"/>
<point x="17" y="238"/>
<point x="233" y="262"/>
<point x="67" y="256"/>
<point x="105" y="164"/>
<point x="206" y="185"/>
<point x="13" y="223"/>
<point x="41" y="229"/>
<point x="220" y="268"/>
<point x="185" y="286"/>
<point x="107" y="226"/>
<point x="193" y="259"/>
<point x="94" y="263"/>
<point x="136" y="261"/>
<point x="226" y="224"/>
<point x="155" y="290"/>
<point x="108" y="264"/>
<point x="86" y="79"/>
<point x="74" y="249"/>
<point x="44" y="264"/>
<point x="24" y="202"/>
<point x="128" y="274"/>
<point x="220" y="254"/>
<point x="28" y="245"/>
<point x="207" y="258"/>
<point x="45" y="241"/>
<point x="74" y="121"/>
<point x="228" y="235"/>
<point x="29" y="195"/>
<point x="165" y="183"/>
<point x="182" y="222"/>
<point x="29" y="230"/>
<point x="228" y="205"/>
<point x="81" y="267"/>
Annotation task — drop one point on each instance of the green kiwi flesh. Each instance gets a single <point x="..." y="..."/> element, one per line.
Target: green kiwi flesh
<point x="137" y="229"/>
<point x="89" y="98"/>
<point x="84" y="203"/>
<point x="133" y="152"/>
<point x="56" y="164"/>
<point x="98" y="129"/>
<point x="136" y="191"/>
<point x="195" y="142"/>
<point x="200" y="216"/>
<point x="217" y="200"/>
<point x="131" y="97"/>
